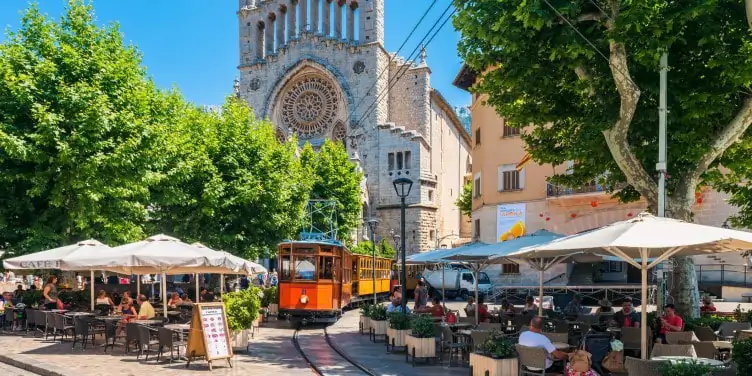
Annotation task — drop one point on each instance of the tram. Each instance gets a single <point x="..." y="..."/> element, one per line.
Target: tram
<point x="320" y="278"/>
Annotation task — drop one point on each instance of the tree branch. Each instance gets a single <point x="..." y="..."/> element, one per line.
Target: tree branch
<point x="591" y="17"/>
<point x="727" y="137"/>
<point x="617" y="136"/>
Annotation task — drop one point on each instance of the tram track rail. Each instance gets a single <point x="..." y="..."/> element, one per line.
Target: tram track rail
<point x="329" y="356"/>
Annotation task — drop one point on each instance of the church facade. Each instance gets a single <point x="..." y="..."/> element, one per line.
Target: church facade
<point x="318" y="69"/>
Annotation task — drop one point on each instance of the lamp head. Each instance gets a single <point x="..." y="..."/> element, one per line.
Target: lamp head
<point x="402" y="186"/>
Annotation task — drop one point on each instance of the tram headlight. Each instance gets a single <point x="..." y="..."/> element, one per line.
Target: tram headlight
<point x="304" y="299"/>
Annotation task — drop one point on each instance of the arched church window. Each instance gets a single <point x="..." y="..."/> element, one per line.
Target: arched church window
<point x="309" y="106"/>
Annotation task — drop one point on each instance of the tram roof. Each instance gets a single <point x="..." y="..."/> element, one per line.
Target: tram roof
<point x="336" y="243"/>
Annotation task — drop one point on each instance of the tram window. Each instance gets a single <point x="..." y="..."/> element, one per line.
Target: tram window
<point x="285" y="268"/>
<point x="325" y="267"/>
<point x="305" y="268"/>
<point x="335" y="269"/>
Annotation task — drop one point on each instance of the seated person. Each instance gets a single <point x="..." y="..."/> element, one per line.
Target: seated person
<point x="604" y="306"/>
<point x="483" y="315"/>
<point x="627" y="317"/>
<point x="202" y="296"/>
<point x="574" y="308"/>
<point x="507" y="307"/>
<point x="174" y="301"/>
<point x="185" y="299"/>
<point x="396" y="295"/>
<point x="530" y="306"/>
<point x="146" y="311"/>
<point x="670" y="322"/>
<point x="707" y="305"/>
<point x="102" y="299"/>
<point x="128" y="312"/>
<point x="436" y="309"/>
<point x="470" y="307"/>
<point x="19" y="292"/>
<point x="395" y="306"/>
<point x="534" y="338"/>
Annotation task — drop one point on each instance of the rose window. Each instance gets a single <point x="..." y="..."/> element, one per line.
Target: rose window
<point x="309" y="106"/>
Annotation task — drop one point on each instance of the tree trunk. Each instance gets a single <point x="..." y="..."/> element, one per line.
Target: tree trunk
<point x="684" y="289"/>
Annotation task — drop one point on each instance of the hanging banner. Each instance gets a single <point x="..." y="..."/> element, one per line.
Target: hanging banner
<point x="510" y="221"/>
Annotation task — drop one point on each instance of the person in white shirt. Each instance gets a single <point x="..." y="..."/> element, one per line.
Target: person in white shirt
<point x="395" y="306"/>
<point x="534" y="338"/>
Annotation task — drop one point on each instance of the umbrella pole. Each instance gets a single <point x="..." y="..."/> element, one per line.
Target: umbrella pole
<point x="221" y="284"/>
<point x="477" y="305"/>
<point x="443" y="291"/>
<point x="195" y="280"/>
<point x="540" y="294"/>
<point x="644" y="302"/>
<point x="91" y="287"/>
<point x="138" y="285"/>
<point x="164" y="293"/>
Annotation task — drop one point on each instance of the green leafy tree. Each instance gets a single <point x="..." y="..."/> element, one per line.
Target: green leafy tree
<point x="465" y="201"/>
<point x="597" y="104"/>
<point x="335" y="178"/>
<point x="230" y="184"/>
<point x="79" y="133"/>
<point x="386" y="249"/>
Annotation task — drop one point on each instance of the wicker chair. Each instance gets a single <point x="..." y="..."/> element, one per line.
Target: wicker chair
<point x="706" y="350"/>
<point x="729" y="330"/>
<point x="489" y="326"/>
<point x="632" y="339"/>
<point x="674" y="338"/>
<point x="449" y="341"/>
<point x="478" y="337"/>
<point x="558" y="337"/>
<point x="639" y="367"/>
<point x="145" y="342"/>
<point x="673" y="350"/>
<point x="60" y="325"/>
<point x="466" y="320"/>
<point x="531" y="360"/>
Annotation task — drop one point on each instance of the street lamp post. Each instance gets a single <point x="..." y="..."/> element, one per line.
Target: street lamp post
<point x="396" y="239"/>
<point x="402" y="186"/>
<point x="372" y="226"/>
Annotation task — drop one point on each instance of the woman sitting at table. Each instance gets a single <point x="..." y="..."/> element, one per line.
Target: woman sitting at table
<point x="530" y="305"/>
<point x="185" y="299"/>
<point x="128" y="312"/>
<point x="507" y="307"/>
<point x="102" y="298"/>
<point x="470" y="307"/>
<point x="174" y="301"/>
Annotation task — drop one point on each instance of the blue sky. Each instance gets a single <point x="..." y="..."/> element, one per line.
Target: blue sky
<point x="193" y="44"/>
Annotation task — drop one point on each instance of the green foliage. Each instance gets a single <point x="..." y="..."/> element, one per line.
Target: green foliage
<point x="741" y="354"/>
<point x="80" y="298"/>
<point x="365" y="309"/>
<point x="377" y="313"/>
<point x="271" y="296"/>
<point x="685" y="369"/>
<point x="498" y="346"/>
<point x="572" y="95"/>
<point x="713" y="322"/>
<point x="465" y="201"/>
<point x="242" y="307"/>
<point x="422" y="326"/>
<point x="79" y="133"/>
<point x="32" y="297"/>
<point x="334" y="177"/>
<point x="387" y="250"/>
<point x="230" y="184"/>
<point x="399" y="321"/>
<point x="365" y="247"/>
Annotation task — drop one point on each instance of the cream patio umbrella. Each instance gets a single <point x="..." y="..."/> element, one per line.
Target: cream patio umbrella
<point x="159" y="254"/>
<point x="244" y="266"/>
<point x="52" y="258"/>
<point x="643" y="238"/>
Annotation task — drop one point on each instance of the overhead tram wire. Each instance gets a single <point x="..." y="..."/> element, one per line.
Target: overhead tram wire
<point x="403" y="71"/>
<point x="349" y="113"/>
<point x="588" y="40"/>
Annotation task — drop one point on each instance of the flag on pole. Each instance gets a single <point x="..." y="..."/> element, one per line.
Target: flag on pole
<point x="521" y="164"/>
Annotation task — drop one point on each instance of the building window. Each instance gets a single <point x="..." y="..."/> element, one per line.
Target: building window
<point x="476" y="229"/>
<point x="430" y="195"/>
<point x="431" y="235"/>
<point x="509" y="131"/>
<point x="408" y="162"/>
<point x="390" y="159"/>
<point x="399" y="160"/>
<point x="510" y="268"/>
<point x="477" y="186"/>
<point x="510" y="179"/>
<point x="477" y="137"/>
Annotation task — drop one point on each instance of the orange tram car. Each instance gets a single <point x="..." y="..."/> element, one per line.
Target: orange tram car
<point x="318" y="279"/>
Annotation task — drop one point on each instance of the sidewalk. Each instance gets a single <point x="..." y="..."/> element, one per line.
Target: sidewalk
<point x="272" y="353"/>
<point x="344" y="334"/>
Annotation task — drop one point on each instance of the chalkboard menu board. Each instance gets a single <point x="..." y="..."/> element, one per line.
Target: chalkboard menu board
<point x="209" y="336"/>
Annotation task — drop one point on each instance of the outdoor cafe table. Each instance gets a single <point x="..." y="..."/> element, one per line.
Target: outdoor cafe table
<point x="146" y="322"/>
<point x="688" y="359"/>
<point x="110" y="318"/>
<point x="74" y="314"/>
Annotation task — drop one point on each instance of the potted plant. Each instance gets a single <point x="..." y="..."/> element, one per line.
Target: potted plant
<point x="497" y="356"/>
<point x="378" y="322"/>
<point x="242" y="309"/>
<point x="421" y="341"/>
<point x="399" y="326"/>
<point x="271" y="300"/>
<point x="365" y="320"/>
<point x="742" y="356"/>
<point x="685" y="369"/>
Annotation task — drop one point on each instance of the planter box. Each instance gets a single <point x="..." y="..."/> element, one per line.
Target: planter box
<point x="395" y="338"/>
<point x="423" y="348"/>
<point x="481" y="365"/>
<point x="273" y="309"/>
<point x="365" y="325"/>
<point x="240" y="338"/>
<point x="378" y="328"/>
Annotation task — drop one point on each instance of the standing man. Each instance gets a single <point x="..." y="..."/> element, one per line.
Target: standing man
<point x="627" y="317"/>
<point x="421" y="296"/>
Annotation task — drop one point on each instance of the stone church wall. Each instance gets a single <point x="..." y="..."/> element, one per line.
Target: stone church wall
<point x="409" y="98"/>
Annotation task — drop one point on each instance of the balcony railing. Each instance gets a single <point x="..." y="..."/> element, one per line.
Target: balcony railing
<point x="553" y="190"/>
